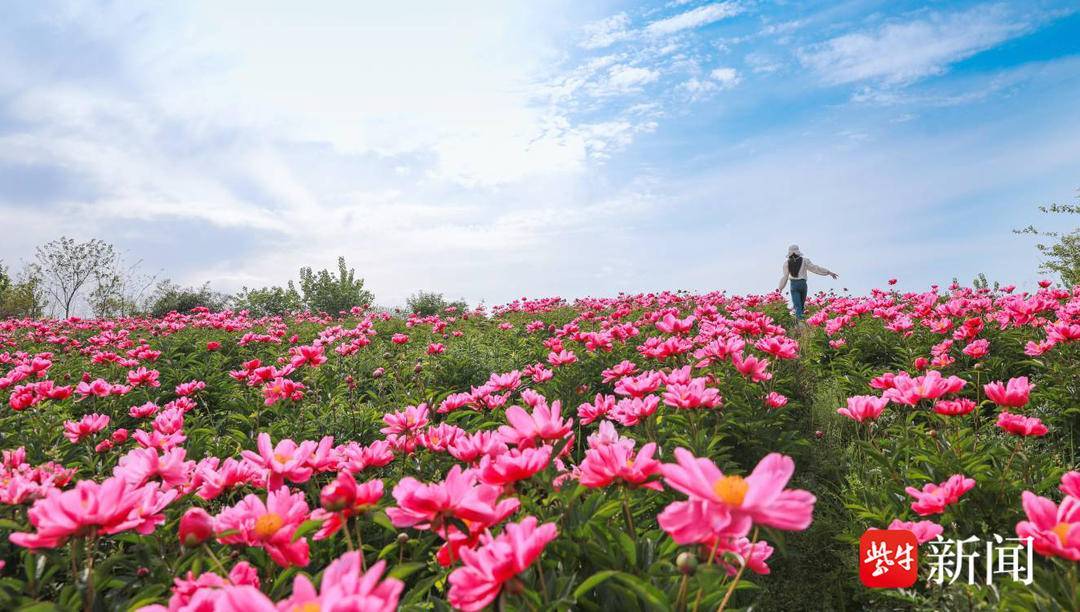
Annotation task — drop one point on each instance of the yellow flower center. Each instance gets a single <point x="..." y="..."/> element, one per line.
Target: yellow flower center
<point x="731" y="489"/>
<point x="1061" y="530"/>
<point x="311" y="606"/>
<point x="268" y="524"/>
<point x="281" y="458"/>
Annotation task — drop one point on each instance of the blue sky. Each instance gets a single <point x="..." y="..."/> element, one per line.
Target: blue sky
<point x="493" y="149"/>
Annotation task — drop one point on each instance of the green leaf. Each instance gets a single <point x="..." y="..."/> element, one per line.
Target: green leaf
<point x="405" y="570"/>
<point x="592" y="581"/>
<point x="308" y="526"/>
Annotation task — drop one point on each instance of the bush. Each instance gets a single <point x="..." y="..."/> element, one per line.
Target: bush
<point x="428" y="303"/>
<point x="333" y="293"/>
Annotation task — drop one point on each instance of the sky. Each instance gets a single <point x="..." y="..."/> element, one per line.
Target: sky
<point x="494" y="149"/>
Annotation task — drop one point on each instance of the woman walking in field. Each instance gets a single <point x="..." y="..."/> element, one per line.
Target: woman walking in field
<point x="795" y="268"/>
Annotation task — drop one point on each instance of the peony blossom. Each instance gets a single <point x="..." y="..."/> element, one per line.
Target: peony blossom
<point x="77" y="431"/>
<point x="933" y="498"/>
<point x="1054" y="529"/>
<point x="727" y="505"/>
<point x="109" y="507"/>
<point x="607" y="463"/>
<point x="545" y="423"/>
<point x="270" y="525"/>
<point x="479" y="580"/>
<point x="862" y="408"/>
<point x="346" y="586"/>
<point x="1013" y="394"/>
<point x="924" y="530"/>
<point x="429" y="505"/>
<point x="286" y="460"/>
<point x="1020" y="425"/>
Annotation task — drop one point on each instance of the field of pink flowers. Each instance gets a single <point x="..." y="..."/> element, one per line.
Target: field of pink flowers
<point x="645" y="452"/>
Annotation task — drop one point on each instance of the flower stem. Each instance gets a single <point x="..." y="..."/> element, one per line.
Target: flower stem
<point x="738" y="575"/>
<point x="217" y="562"/>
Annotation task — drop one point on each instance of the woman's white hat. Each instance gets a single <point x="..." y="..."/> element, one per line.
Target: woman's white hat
<point x="794" y="249"/>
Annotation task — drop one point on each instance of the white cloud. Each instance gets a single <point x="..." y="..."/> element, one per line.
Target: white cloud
<point x="902" y="52"/>
<point x="622" y="79"/>
<point x="695" y="18"/>
<point x="726" y="77"/>
<point x="606" y="32"/>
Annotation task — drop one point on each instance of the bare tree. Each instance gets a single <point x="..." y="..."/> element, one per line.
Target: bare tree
<point x="67" y="265"/>
<point x="119" y="289"/>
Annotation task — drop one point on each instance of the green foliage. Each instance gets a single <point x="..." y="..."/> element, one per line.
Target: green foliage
<point x="428" y="303"/>
<point x="332" y="293"/>
<point x="23" y="296"/>
<point x="269" y="301"/>
<point x="170" y="297"/>
<point x="1060" y="250"/>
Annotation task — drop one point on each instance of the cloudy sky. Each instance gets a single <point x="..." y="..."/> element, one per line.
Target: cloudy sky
<point x="491" y="149"/>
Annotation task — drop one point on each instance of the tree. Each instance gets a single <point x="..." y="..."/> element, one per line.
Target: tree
<point x="1061" y="251"/>
<point x="333" y="293"/>
<point x="23" y="296"/>
<point x="428" y="303"/>
<point x="269" y="301"/>
<point x="118" y="290"/>
<point x="67" y="265"/>
<point x="169" y="297"/>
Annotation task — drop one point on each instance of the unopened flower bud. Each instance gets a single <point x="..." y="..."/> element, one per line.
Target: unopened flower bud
<point x="687" y="563"/>
<point x="195" y="527"/>
<point x="378" y="373"/>
<point x="402" y="538"/>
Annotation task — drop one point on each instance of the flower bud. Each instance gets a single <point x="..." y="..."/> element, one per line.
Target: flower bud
<point x="402" y="538"/>
<point x="195" y="527"/>
<point x="378" y="373"/>
<point x="339" y="494"/>
<point x="819" y="434"/>
<point x="687" y="563"/>
<point x="120" y="436"/>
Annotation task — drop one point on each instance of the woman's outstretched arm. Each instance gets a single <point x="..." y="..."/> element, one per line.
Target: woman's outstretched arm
<point x="816" y="269"/>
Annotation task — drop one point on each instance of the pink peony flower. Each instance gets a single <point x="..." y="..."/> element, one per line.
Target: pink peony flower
<point x="478" y="581"/>
<point x="77" y="431"/>
<point x="956" y="407"/>
<point x="514" y="465"/>
<point x="924" y="530"/>
<point x="1013" y="394"/>
<point x="270" y="525"/>
<point x="1070" y="483"/>
<point x="286" y="460"/>
<point x="107" y="507"/>
<point x="862" y="408"/>
<point x="607" y="463"/>
<point x="933" y="498"/>
<point x="428" y="505"/>
<point x="910" y="391"/>
<point x="346" y="586"/>
<point x="692" y="395"/>
<point x="1020" y="425"/>
<point x="775" y="400"/>
<point x="1054" y="529"/>
<point x="545" y="423"/>
<point x="725" y="505"/>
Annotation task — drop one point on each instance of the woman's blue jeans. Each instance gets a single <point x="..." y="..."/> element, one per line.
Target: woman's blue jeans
<point x="798" y="296"/>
